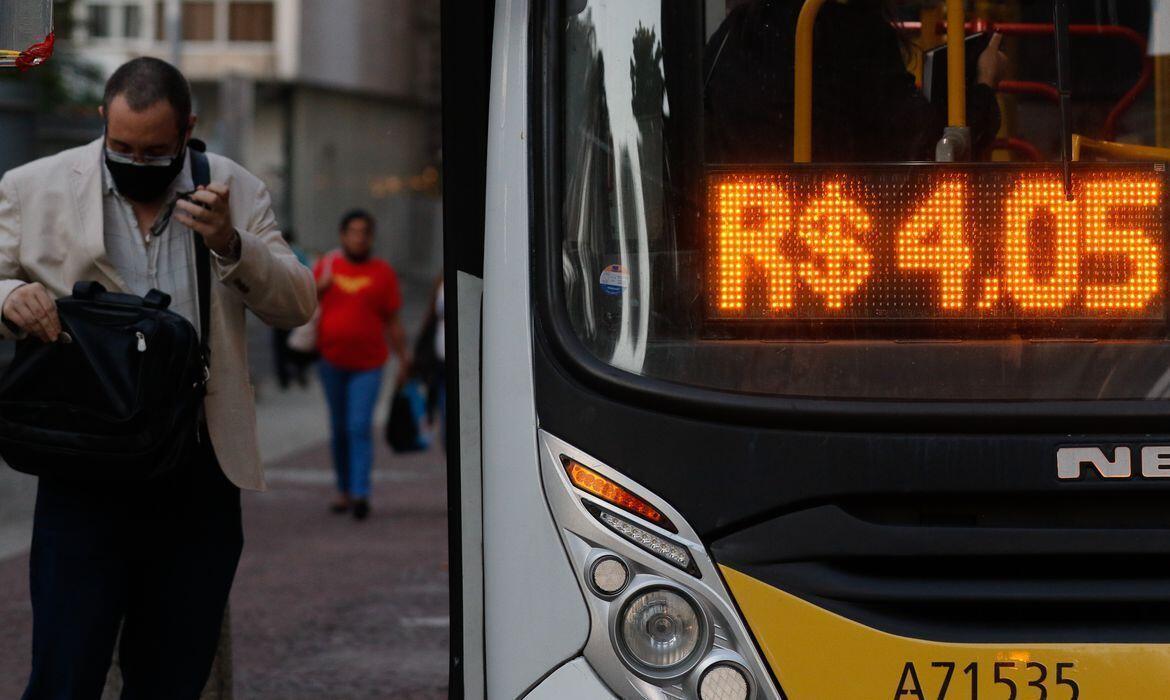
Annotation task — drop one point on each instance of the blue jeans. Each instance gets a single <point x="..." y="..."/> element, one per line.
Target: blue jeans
<point x="352" y="396"/>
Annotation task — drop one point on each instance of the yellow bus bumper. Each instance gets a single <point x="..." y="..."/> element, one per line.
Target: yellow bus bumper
<point x="819" y="655"/>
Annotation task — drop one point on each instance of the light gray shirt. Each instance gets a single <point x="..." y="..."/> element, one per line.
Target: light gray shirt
<point x="165" y="261"/>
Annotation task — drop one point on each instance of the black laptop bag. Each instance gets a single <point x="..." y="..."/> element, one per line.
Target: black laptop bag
<point x="120" y="395"/>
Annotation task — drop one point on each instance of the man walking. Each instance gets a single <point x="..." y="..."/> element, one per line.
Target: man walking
<point x="153" y="559"/>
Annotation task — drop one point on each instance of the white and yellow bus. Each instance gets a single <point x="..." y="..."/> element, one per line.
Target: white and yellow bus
<point x="794" y="356"/>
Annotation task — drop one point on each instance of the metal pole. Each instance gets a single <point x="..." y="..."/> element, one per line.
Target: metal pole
<point x="1162" y="100"/>
<point x="955" y="145"/>
<point x="1064" y="87"/>
<point x="956" y="64"/>
<point x="803" y="109"/>
<point x="237" y="106"/>
<point x="174" y="25"/>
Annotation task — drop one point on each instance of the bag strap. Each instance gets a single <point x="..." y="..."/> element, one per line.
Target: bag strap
<point x="201" y="176"/>
<point x="87" y="289"/>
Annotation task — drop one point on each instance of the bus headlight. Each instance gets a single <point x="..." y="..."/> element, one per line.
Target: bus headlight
<point x="662" y="623"/>
<point x="660" y="629"/>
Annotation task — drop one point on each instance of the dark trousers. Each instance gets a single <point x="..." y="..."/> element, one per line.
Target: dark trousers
<point x="290" y="364"/>
<point x="155" y="559"/>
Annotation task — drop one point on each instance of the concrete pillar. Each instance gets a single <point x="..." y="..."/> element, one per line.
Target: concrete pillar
<point x="18" y="122"/>
<point x="174" y="31"/>
<point x="237" y="105"/>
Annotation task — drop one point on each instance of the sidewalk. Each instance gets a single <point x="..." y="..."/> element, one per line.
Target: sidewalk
<point x="327" y="608"/>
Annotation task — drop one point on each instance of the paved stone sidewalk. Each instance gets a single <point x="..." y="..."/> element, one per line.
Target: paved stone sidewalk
<point x="324" y="608"/>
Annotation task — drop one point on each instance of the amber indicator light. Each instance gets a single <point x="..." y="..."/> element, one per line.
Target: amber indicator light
<point x="591" y="482"/>
<point x="929" y="243"/>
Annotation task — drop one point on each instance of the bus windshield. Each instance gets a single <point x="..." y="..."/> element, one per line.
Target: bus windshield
<point x="697" y="246"/>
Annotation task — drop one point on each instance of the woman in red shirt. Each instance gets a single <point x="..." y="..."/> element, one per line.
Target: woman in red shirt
<point x="359" y="300"/>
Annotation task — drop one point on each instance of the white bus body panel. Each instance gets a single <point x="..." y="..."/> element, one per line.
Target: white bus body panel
<point x="535" y="617"/>
<point x="573" y="681"/>
<point x="470" y="293"/>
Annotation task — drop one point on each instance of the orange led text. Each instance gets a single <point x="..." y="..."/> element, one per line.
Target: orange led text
<point x="949" y="244"/>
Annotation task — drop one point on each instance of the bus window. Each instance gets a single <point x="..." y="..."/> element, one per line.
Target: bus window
<point x="695" y="250"/>
<point x="868" y="106"/>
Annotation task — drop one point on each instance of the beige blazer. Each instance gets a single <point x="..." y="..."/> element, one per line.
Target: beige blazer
<point x="51" y="232"/>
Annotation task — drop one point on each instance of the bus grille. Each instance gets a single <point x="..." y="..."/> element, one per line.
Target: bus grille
<point x="969" y="570"/>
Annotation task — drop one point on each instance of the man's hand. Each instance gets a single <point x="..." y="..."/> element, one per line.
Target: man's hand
<point x="993" y="64"/>
<point x="209" y="216"/>
<point x="32" y="310"/>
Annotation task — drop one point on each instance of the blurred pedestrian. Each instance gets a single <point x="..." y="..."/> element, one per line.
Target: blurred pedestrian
<point x="290" y="364"/>
<point x="430" y="360"/>
<point x="153" y="558"/>
<point x="360" y="300"/>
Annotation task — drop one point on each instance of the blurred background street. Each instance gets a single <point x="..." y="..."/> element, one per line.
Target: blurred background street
<point x="335" y="105"/>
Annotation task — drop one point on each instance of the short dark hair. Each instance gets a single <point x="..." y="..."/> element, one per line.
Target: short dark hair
<point x="356" y="215"/>
<point x="145" y="81"/>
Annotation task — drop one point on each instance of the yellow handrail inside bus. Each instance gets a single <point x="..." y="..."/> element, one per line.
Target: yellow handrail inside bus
<point x="802" y="103"/>
<point x="1117" y="151"/>
<point x="802" y="100"/>
<point x="956" y="64"/>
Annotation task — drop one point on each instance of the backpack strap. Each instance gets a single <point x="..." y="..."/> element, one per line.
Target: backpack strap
<point x="201" y="175"/>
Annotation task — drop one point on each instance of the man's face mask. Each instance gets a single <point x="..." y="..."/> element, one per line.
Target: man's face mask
<point x="146" y="181"/>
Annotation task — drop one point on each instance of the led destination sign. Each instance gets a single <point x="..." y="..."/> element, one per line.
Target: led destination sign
<point x="926" y="243"/>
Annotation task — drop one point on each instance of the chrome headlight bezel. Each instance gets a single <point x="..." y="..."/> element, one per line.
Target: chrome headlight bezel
<point x="725" y="637"/>
<point x="647" y="584"/>
<point x="598" y="560"/>
<point x="711" y="663"/>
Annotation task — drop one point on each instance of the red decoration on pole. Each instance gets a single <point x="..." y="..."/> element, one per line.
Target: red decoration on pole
<point x="36" y="54"/>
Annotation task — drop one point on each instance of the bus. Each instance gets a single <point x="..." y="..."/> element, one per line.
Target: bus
<point x="808" y="349"/>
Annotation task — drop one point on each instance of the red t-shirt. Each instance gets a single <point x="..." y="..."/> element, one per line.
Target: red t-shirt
<point x="354" y="310"/>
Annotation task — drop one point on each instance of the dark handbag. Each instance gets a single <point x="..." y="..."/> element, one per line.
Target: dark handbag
<point x="120" y="395"/>
<point x="426" y="365"/>
<point x="404" y="431"/>
<point x="424" y="360"/>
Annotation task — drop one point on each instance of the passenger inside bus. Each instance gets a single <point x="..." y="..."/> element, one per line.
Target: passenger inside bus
<point x="866" y="105"/>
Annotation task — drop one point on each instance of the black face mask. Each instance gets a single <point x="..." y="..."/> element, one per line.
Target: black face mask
<point x="145" y="183"/>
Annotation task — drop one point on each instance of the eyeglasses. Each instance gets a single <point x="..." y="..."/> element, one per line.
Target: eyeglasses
<point x="164" y="219"/>
<point x="128" y="159"/>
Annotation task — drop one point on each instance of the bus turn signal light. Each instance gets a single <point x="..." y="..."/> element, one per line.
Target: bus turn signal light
<point x="593" y="483"/>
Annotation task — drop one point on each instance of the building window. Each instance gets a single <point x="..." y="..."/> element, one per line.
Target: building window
<point x="132" y="21"/>
<point x="198" y="21"/>
<point x="98" y="21"/>
<point x="250" y="21"/>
